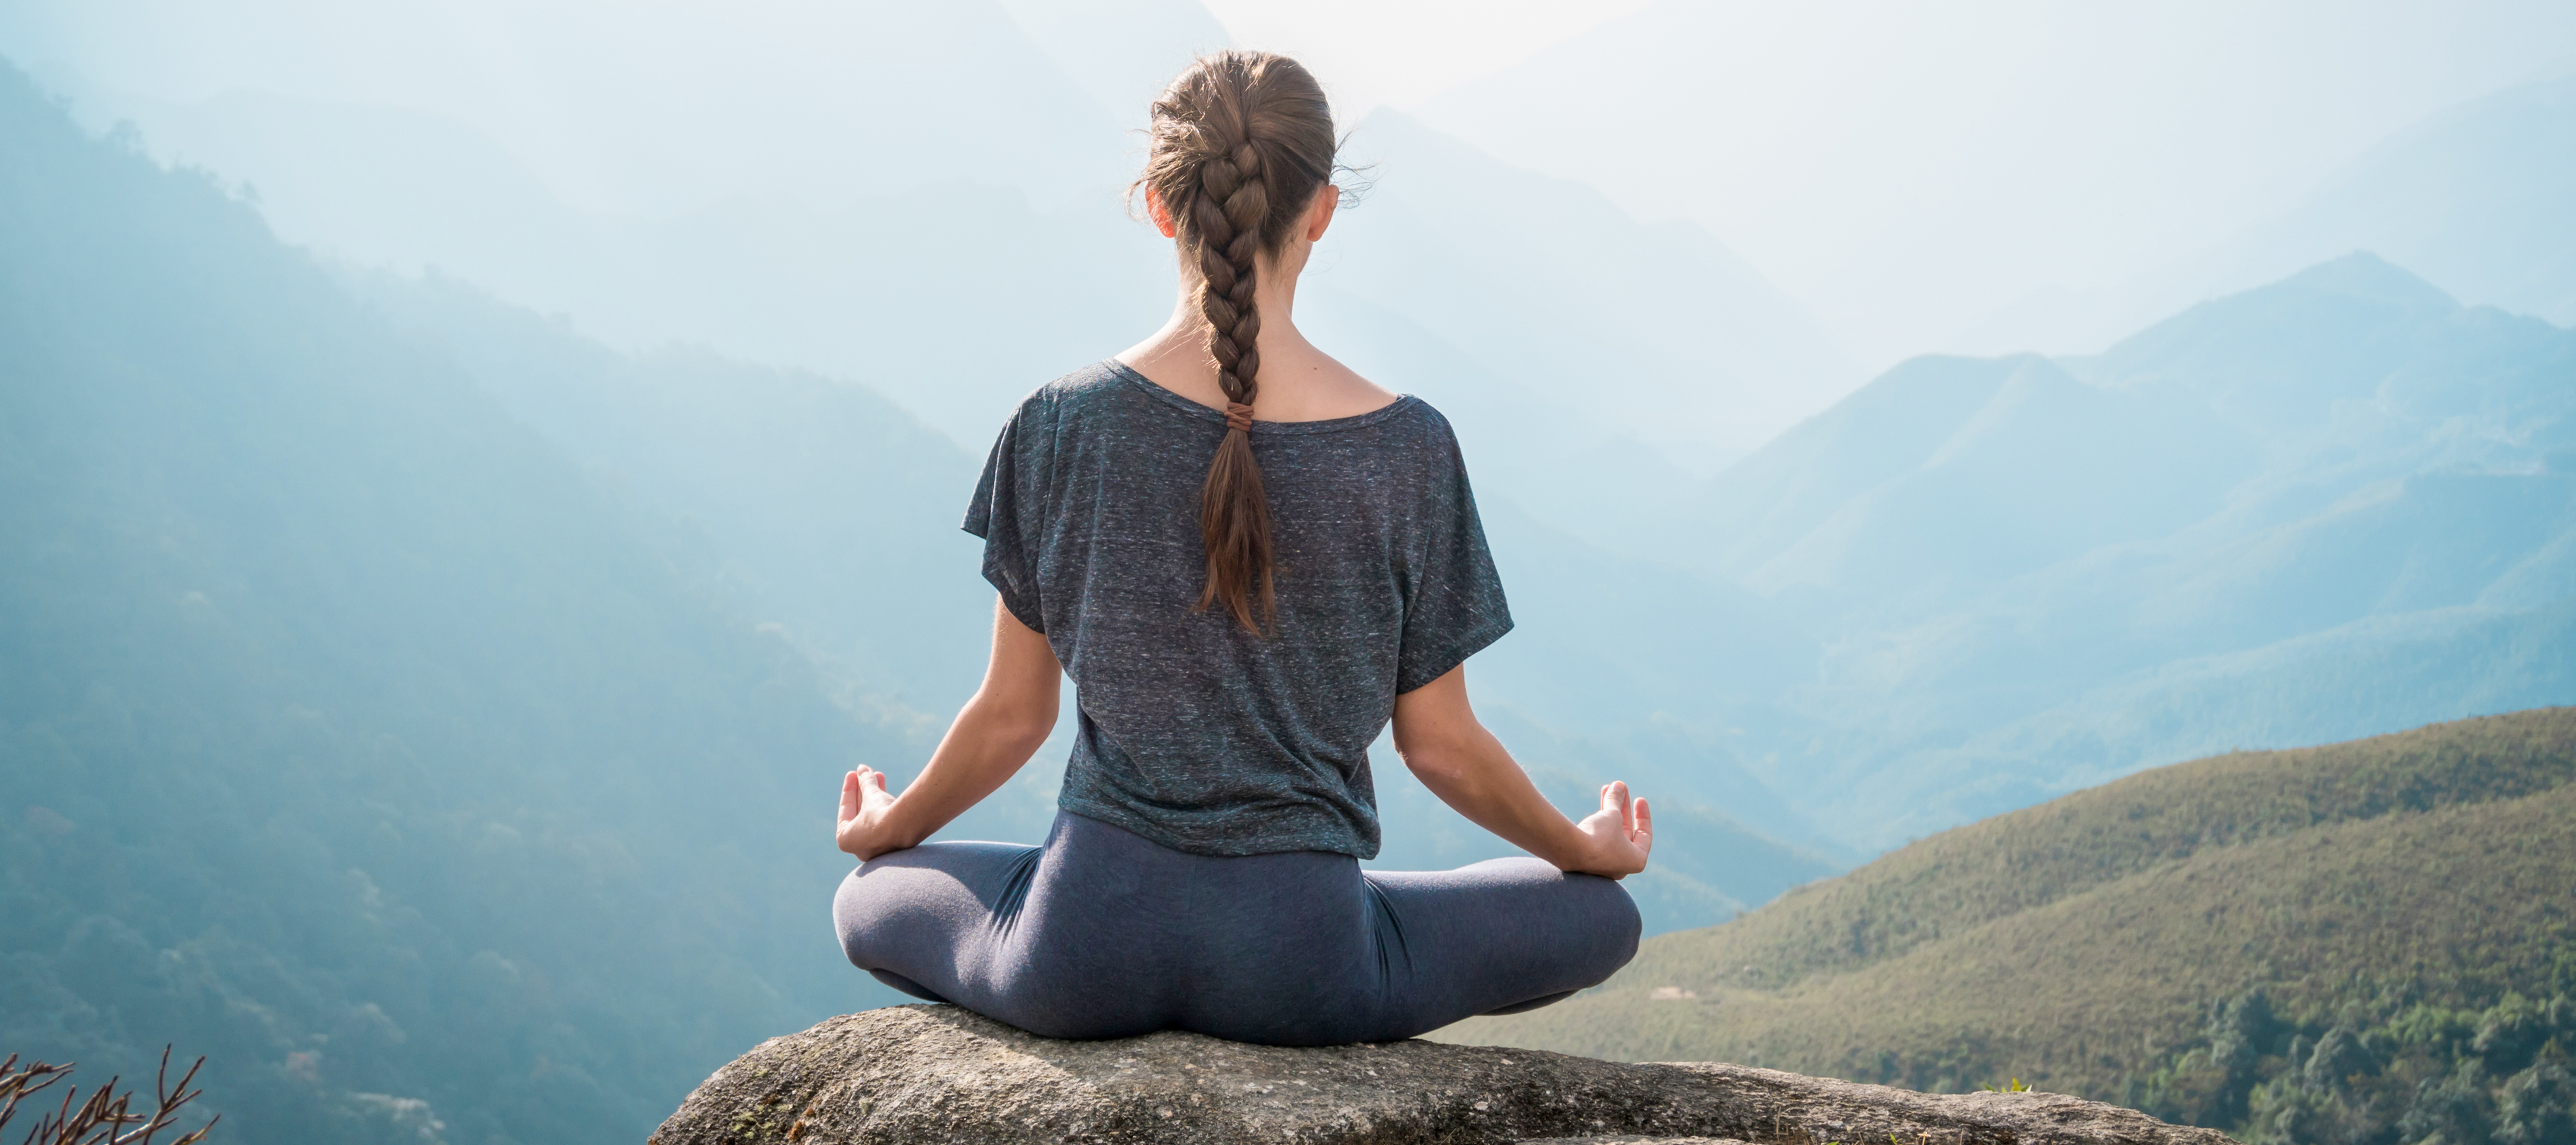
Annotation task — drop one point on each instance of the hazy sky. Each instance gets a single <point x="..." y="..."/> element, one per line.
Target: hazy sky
<point x="1403" y="52"/>
<point x="1976" y="175"/>
<point x="1980" y="176"/>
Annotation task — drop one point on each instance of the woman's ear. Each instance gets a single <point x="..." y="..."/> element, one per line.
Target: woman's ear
<point x="1161" y="214"/>
<point x="1327" y="200"/>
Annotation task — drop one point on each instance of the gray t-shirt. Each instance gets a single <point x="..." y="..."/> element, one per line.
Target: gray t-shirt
<point x="1194" y="733"/>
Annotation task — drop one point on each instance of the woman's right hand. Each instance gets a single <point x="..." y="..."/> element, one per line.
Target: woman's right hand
<point x="1621" y="833"/>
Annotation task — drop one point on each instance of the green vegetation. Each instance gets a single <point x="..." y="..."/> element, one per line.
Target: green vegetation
<point x="2360" y="944"/>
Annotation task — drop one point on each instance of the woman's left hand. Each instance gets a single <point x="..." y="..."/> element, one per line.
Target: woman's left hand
<point x="864" y="804"/>
<point x="993" y="736"/>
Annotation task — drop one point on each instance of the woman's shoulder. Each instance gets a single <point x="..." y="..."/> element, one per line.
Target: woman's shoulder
<point x="1087" y="386"/>
<point x="1418" y="419"/>
<point x="1087" y="395"/>
<point x="1347" y="397"/>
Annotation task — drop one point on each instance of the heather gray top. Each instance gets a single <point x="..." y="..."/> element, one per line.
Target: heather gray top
<point x="1194" y="733"/>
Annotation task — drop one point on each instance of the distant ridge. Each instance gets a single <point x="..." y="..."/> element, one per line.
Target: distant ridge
<point x="2338" y="505"/>
<point x="2098" y="944"/>
<point x="2473" y="197"/>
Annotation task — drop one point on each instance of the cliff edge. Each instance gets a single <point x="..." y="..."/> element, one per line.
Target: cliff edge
<point x="916" y="1075"/>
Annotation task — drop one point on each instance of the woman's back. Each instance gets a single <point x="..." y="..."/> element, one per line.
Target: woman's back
<point x="1197" y="733"/>
<point x="1243" y="605"/>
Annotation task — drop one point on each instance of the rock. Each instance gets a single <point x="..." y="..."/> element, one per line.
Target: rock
<point x="917" y="1075"/>
<point x="1632" y="1141"/>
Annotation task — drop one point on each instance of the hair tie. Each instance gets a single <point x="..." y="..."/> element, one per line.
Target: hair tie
<point x="1238" y="416"/>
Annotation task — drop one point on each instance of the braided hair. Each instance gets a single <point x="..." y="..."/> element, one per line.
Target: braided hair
<point x="1242" y="142"/>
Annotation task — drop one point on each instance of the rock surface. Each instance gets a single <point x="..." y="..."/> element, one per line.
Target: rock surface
<point x="1633" y="1141"/>
<point x="916" y="1075"/>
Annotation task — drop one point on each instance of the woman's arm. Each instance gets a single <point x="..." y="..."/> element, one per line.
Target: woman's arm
<point x="1441" y="742"/>
<point x="995" y="733"/>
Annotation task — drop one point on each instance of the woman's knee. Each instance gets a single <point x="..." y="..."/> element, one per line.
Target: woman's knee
<point x="854" y="914"/>
<point x="871" y="907"/>
<point x="1596" y="906"/>
<point x="1514" y="869"/>
<point x="1611" y="923"/>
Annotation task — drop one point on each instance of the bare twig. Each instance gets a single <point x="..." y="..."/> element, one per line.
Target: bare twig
<point x="104" y="1118"/>
<point x="16" y="1084"/>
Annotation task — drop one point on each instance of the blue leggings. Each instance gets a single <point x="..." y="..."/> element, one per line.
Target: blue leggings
<point x="1102" y="934"/>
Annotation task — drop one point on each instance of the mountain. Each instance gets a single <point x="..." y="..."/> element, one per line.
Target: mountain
<point x="646" y="113"/>
<point x="2465" y="195"/>
<point x="830" y="515"/>
<point x="895" y="291"/>
<point x="352" y="735"/>
<point x="893" y="284"/>
<point x="1656" y="330"/>
<point x="2469" y="198"/>
<point x="1933" y="482"/>
<point x="1910" y="173"/>
<point x="823" y="502"/>
<point x="893" y="279"/>
<point x="2332" y="506"/>
<point x="2366" y="942"/>
<point x="1973" y="584"/>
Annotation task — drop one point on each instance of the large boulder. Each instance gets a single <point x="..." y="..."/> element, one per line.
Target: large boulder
<point x="915" y="1075"/>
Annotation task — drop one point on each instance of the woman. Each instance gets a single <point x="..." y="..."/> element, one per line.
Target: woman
<point x="1249" y="559"/>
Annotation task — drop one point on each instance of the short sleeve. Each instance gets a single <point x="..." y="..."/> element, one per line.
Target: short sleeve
<point x="1000" y="515"/>
<point x="1455" y="607"/>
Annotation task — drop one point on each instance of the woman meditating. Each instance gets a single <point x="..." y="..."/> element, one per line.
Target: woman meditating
<point x="1249" y="559"/>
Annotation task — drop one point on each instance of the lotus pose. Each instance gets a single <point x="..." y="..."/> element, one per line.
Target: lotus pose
<point x="1249" y="559"/>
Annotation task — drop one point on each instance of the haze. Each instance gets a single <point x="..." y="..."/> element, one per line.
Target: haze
<point x="472" y="475"/>
<point x="1976" y="177"/>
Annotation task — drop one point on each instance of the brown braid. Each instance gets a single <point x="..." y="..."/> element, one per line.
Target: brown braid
<point x="1242" y="143"/>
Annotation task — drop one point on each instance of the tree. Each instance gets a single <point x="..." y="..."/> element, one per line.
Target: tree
<point x="2451" y="1109"/>
<point x="2537" y="1107"/>
<point x="2339" y="1055"/>
<point x="2510" y="1032"/>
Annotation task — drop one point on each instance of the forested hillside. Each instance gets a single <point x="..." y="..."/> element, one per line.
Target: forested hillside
<point x="350" y="735"/>
<point x="2367" y="942"/>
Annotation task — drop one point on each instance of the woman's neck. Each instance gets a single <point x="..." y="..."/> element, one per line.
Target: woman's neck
<point x="1296" y="381"/>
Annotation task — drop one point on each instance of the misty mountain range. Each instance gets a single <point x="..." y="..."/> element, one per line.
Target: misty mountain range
<point x="2339" y="504"/>
<point x="499" y="551"/>
<point x="1901" y="613"/>
<point x="1998" y="176"/>
<point x="429" y="714"/>
<point x="354" y="736"/>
